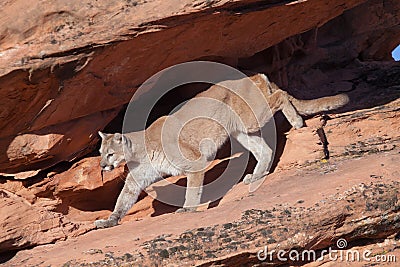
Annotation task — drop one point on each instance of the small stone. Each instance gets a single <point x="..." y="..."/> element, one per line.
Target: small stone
<point x="94" y="251"/>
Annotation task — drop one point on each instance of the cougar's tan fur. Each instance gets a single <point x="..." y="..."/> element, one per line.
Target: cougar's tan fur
<point x="184" y="142"/>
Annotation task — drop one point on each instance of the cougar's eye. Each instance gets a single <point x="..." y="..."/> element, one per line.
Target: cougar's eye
<point x="110" y="155"/>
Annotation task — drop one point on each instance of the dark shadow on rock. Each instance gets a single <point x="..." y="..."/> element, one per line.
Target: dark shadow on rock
<point x="282" y="127"/>
<point x="102" y="198"/>
<point x="4" y="257"/>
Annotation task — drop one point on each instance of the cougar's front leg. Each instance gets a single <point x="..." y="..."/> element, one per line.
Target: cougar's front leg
<point x="138" y="179"/>
<point x="194" y="191"/>
<point x="126" y="199"/>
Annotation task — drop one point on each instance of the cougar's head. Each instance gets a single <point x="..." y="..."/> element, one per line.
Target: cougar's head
<point x="112" y="150"/>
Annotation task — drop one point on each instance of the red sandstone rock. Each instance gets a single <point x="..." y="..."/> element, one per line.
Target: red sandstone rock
<point x="67" y="69"/>
<point x="35" y="225"/>
<point x="306" y="208"/>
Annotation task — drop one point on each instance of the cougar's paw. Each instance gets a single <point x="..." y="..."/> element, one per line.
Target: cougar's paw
<point x="251" y="178"/>
<point x="182" y="210"/>
<point x="298" y="123"/>
<point x="105" y="223"/>
<point x="248" y="179"/>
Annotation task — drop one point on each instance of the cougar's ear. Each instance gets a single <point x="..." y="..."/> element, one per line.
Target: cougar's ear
<point x="120" y="138"/>
<point x="102" y="135"/>
<point x="117" y="137"/>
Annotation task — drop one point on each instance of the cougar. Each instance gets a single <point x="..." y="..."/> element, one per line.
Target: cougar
<point x="184" y="142"/>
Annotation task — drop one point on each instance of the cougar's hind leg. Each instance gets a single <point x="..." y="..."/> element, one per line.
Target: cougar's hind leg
<point x="261" y="151"/>
<point x="280" y="98"/>
<point x="194" y="191"/>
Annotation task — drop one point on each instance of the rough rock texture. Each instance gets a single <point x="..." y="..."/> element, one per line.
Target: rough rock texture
<point x="356" y="199"/>
<point x="356" y="184"/>
<point x="68" y="69"/>
<point x="35" y="226"/>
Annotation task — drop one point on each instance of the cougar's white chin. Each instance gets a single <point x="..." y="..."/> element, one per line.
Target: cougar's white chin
<point x="107" y="168"/>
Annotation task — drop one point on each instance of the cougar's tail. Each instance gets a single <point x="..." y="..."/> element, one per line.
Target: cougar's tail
<point x="306" y="107"/>
<point x="314" y="106"/>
